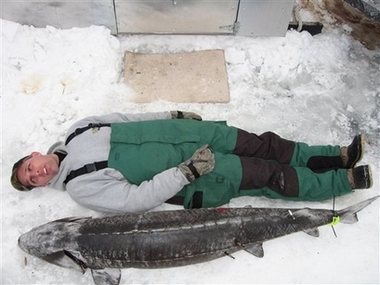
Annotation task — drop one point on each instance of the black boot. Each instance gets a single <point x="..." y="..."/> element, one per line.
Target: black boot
<point x="360" y="177"/>
<point x="354" y="152"/>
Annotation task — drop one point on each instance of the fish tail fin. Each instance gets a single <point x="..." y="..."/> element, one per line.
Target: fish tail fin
<point x="348" y="215"/>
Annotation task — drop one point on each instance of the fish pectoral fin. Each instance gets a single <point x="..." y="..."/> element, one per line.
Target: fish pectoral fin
<point x="107" y="276"/>
<point x="77" y="259"/>
<point x="61" y="259"/>
<point x="314" y="232"/>
<point x="256" y="249"/>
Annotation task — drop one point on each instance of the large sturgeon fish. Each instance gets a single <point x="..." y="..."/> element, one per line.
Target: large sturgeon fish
<point x="170" y="238"/>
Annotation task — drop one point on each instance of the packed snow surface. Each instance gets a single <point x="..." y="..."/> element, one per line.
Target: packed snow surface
<point x="319" y="89"/>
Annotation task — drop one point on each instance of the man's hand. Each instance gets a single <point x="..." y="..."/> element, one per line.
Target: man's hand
<point x="202" y="162"/>
<point x="185" y="115"/>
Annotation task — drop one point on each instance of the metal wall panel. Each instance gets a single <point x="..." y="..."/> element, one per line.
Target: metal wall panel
<point x="241" y="17"/>
<point x="258" y="18"/>
<point x="60" y="14"/>
<point x="176" y="16"/>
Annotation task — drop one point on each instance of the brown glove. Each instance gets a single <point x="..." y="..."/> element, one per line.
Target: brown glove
<point x="202" y="162"/>
<point x="185" y="115"/>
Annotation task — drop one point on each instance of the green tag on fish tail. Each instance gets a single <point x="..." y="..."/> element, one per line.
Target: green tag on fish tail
<point x="335" y="221"/>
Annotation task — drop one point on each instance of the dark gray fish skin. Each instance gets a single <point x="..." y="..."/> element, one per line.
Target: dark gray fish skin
<point x="171" y="238"/>
<point x="175" y="238"/>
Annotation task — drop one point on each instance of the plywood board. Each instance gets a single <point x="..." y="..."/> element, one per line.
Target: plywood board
<point x="194" y="77"/>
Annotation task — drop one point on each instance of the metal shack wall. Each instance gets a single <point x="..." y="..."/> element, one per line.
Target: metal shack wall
<point x="259" y="18"/>
<point x="176" y="16"/>
<point x="63" y="14"/>
<point x="239" y="17"/>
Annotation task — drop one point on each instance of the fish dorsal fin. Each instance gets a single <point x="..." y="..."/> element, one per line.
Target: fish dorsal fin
<point x="107" y="276"/>
<point x="314" y="232"/>
<point x="72" y="220"/>
<point x="305" y="212"/>
<point x="256" y="249"/>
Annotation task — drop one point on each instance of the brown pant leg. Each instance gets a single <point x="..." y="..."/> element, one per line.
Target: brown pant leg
<point x="266" y="146"/>
<point x="258" y="173"/>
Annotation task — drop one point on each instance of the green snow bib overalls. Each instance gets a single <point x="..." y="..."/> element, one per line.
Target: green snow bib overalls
<point x="140" y="150"/>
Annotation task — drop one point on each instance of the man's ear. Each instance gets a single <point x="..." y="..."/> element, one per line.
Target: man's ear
<point x="36" y="153"/>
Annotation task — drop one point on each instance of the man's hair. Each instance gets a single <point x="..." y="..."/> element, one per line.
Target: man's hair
<point x="14" y="179"/>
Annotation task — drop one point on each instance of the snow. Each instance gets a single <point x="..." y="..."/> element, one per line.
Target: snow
<point x="320" y="90"/>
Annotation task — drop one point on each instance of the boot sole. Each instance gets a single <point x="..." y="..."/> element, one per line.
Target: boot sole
<point x="362" y="147"/>
<point x="370" y="177"/>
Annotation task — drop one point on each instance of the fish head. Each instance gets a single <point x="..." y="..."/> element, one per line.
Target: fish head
<point x="45" y="239"/>
<point x="55" y="243"/>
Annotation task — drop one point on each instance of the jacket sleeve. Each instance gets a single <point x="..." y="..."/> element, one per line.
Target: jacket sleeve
<point x="108" y="191"/>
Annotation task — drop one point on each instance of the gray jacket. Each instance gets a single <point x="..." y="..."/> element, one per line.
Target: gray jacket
<point x="106" y="190"/>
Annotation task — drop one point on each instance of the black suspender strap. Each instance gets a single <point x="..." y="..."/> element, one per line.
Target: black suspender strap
<point x="197" y="200"/>
<point x="78" y="131"/>
<point x="88" y="168"/>
<point x="91" y="167"/>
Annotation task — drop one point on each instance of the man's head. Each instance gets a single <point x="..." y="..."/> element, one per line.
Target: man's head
<point x="34" y="170"/>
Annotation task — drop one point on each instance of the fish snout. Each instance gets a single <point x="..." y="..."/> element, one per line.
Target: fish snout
<point x="31" y="243"/>
<point x="23" y="243"/>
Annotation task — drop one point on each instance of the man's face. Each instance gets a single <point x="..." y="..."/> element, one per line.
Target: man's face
<point x="38" y="170"/>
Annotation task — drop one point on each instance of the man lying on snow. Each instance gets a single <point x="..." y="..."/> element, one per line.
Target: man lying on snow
<point x="122" y="163"/>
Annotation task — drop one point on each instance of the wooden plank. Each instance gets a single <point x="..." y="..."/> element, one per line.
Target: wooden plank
<point x="198" y="77"/>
